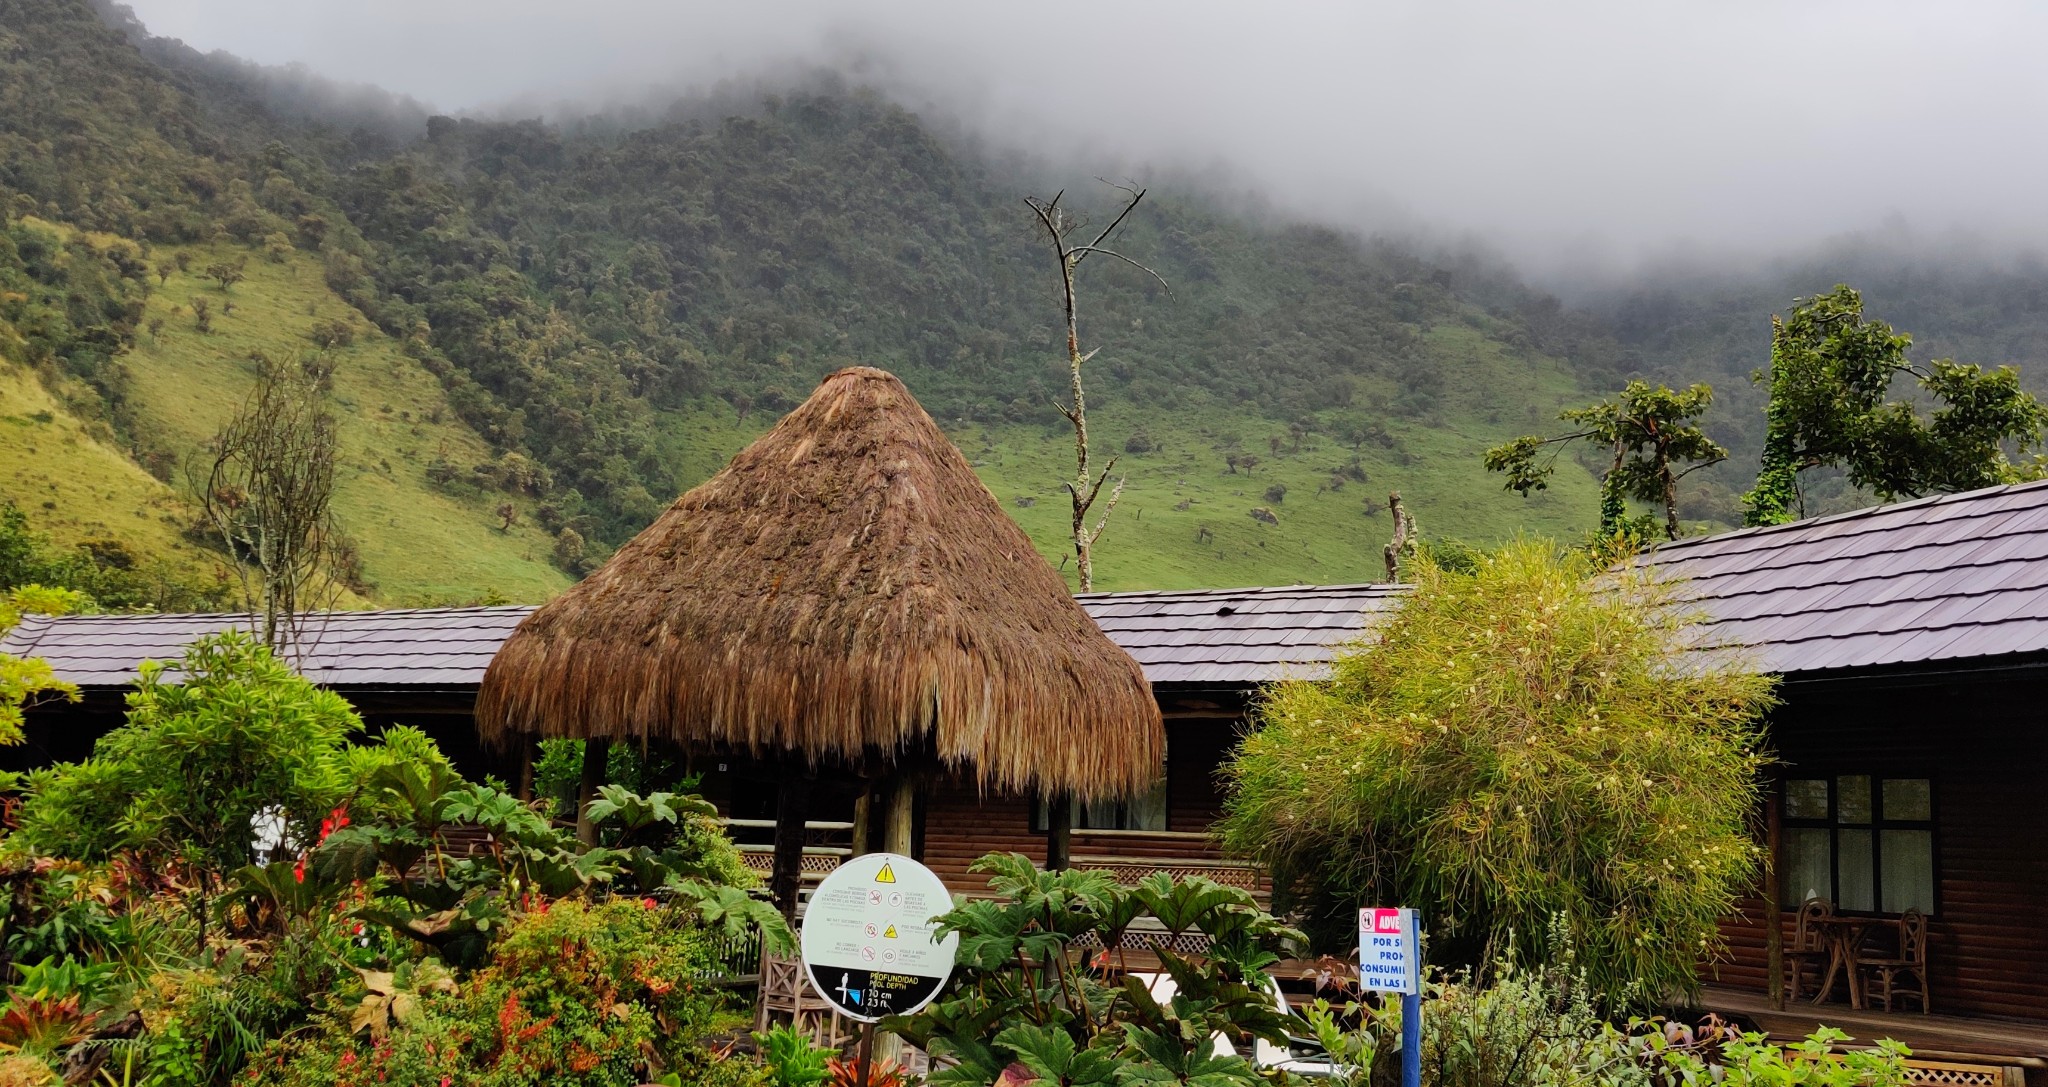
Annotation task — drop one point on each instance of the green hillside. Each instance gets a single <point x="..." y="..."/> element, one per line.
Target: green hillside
<point x="418" y="541"/>
<point x="1185" y="518"/>
<point x="81" y="489"/>
<point x="615" y="308"/>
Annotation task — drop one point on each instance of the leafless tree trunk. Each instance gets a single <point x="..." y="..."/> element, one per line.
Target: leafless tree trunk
<point x="1086" y="485"/>
<point x="1403" y="543"/>
<point x="267" y="494"/>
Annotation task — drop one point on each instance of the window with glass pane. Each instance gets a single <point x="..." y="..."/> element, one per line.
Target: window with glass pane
<point x="1806" y="799"/>
<point x="1907" y="861"/>
<point x="1808" y="869"/>
<point x="1863" y="842"/>
<point x="1146" y="811"/>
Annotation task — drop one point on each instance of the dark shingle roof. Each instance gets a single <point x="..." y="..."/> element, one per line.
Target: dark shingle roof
<point x="1227" y="637"/>
<point x="1223" y="637"/>
<point x="413" y="647"/>
<point x="1945" y="578"/>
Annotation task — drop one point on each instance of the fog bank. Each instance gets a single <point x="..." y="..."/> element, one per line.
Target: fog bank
<point x="1578" y="136"/>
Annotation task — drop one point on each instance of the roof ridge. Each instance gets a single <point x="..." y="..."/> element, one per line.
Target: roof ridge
<point x="1865" y="513"/>
<point x="1797" y="563"/>
<point x="1246" y="590"/>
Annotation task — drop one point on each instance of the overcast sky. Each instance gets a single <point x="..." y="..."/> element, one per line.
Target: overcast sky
<point x="1562" y="131"/>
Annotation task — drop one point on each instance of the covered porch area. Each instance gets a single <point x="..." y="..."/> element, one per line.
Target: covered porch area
<point x="1904" y="798"/>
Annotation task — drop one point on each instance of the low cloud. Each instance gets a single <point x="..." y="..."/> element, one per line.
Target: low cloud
<point x="1574" y="135"/>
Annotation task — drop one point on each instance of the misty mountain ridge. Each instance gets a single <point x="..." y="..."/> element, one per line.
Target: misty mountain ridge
<point x="624" y="299"/>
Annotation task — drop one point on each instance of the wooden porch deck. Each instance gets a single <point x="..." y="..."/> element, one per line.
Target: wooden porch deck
<point x="2012" y="1043"/>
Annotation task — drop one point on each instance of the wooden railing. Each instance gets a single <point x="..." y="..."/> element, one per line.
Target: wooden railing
<point x="1131" y="855"/>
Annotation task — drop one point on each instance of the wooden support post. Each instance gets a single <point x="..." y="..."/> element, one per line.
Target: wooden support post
<point x="899" y="810"/>
<point x="792" y="809"/>
<point x="528" y="749"/>
<point x="862" y="805"/>
<point x="1774" y="921"/>
<point x="1059" y="831"/>
<point x="898" y="831"/>
<point x="864" y="1058"/>
<point x="595" y="753"/>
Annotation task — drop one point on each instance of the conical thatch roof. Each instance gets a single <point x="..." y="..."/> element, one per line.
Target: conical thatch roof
<point x="845" y="587"/>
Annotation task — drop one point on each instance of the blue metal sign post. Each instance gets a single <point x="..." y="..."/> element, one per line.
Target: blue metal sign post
<point x="1411" y="1040"/>
<point x="1390" y="961"/>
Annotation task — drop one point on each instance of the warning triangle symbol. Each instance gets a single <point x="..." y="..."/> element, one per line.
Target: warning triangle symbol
<point x="890" y="933"/>
<point x="886" y="875"/>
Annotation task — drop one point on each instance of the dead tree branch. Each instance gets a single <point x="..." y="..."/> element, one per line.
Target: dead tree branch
<point x="1403" y="545"/>
<point x="267" y="494"/>
<point x="1086" y="486"/>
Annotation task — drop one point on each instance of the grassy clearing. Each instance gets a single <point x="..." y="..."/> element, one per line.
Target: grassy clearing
<point x="1185" y="520"/>
<point x="419" y="541"/>
<point x="77" y="485"/>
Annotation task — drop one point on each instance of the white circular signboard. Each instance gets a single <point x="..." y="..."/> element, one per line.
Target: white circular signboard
<point x="868" y="937"/>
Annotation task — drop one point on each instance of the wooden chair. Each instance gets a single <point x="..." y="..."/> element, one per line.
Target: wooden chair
<point x="1910" y="962"/>
<point x="786" y="991"/>
<point x="1809" y="945"/>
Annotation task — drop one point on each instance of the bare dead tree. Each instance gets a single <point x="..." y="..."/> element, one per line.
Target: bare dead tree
<point x="1062" y="228"/>
<point x="1404" y="543"/>
<point x="267" y="494"/>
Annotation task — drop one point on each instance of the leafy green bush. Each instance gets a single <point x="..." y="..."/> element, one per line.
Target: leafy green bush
<point x="1516" y="744"/>
<point x="1514" y="1026"/>
<point x="133" y="875"/>
<point x="454" y="904"/>
<point x="231" y="734"/>
<point x="58" y="910"/>
<point x="25" y="682"/>
<point x="1040" y="980"/>
<point x="791" y="1058"/>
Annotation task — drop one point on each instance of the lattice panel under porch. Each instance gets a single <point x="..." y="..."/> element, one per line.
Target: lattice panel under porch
<point x="1242" y="877"/>
<point x="815" y="865"/>
<point x="1947" y="1074"/>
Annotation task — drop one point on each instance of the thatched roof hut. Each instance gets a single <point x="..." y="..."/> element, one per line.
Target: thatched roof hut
<point x="845" y="590"/>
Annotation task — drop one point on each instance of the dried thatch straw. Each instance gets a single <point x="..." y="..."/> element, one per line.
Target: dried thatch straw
<point x="844" y="589"/>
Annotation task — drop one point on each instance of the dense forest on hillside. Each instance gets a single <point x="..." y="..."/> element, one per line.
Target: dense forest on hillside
<point x="564" y="283"/>
<point x="609" y="308"/>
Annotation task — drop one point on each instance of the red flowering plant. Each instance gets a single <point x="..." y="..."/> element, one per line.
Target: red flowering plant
<point x="581" y="996"/>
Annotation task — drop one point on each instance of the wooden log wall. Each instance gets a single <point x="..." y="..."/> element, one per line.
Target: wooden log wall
<point x="1983" y="742"/>
<point x="960" y="824"/>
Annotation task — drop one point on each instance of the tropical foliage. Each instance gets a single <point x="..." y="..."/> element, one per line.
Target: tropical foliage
<point x="575" y="994"/>
<point x="1042" y="981"/>
<point x="237" y="886"/>
<point x="1516" y="743"/>
<point x="1517" y="1026"/>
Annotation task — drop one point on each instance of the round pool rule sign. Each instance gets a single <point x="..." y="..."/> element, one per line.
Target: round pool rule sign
<point x="868" y="941"/>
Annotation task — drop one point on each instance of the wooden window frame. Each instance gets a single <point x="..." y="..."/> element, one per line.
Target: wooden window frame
<point x="1877" y="825"/>
<point x="1039" y="824"/>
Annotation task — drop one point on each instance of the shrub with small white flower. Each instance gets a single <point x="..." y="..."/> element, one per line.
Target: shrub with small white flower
<point x="1529" y="740"/>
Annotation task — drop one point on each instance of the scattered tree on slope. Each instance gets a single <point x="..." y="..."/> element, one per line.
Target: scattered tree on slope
<point x="1831" y="378"/>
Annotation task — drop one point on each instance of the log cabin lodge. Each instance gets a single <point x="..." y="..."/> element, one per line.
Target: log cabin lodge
<point x="1911" y="641"/>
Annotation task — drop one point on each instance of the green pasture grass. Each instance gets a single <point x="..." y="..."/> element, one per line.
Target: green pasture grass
<point x="419" y="542"/>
